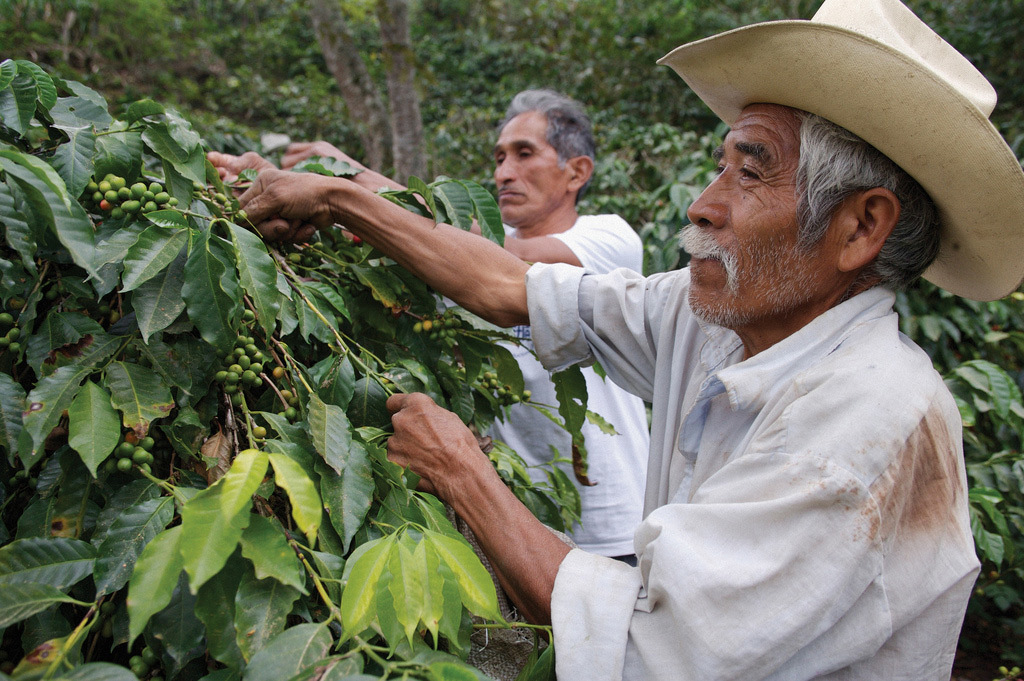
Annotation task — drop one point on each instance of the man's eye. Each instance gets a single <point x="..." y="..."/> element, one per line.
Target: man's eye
<point x="752" y="174"/>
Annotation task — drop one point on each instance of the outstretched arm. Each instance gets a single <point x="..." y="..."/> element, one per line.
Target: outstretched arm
<point x="476" y="273"/>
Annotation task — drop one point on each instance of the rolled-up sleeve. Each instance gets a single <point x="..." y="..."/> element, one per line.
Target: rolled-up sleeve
<point x="591" y="606"/>
<point x="552" y="292"/>
<point x="576" y="318"/>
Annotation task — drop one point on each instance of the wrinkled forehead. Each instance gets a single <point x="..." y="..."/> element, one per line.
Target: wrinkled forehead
<point x="770" y="133"/>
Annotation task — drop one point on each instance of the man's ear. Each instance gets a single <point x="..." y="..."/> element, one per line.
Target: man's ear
<point x="581" y="168"/>
<point x="864" y="221"/>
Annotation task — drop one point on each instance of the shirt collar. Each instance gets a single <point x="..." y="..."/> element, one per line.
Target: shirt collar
<point x="753" y="382"/>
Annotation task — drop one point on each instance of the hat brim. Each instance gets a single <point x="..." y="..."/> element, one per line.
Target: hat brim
<point x="902" y="109"/>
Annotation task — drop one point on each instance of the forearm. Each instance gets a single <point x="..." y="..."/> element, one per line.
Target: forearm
<point x="476" y="273"/>
<point x="524" y="553"/>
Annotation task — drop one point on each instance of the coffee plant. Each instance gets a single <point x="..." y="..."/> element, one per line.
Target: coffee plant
<point x="193" y="471"/>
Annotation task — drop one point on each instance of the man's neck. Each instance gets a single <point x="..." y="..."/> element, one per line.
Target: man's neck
<point x="557" y="222"/>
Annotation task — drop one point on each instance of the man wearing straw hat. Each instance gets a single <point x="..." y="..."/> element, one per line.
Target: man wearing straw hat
<point x="806" y="505"/>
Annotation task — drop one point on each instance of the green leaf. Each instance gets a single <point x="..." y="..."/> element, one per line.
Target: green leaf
<point x="306" y="508"/>
<point x="541" y="668"/>
<point x="369" y="405"/>
<point x="98" y="671"/>
<point x="571" y="391"/>
<point x="453" y="671"/>
<point x="264" y="543"/>
<point x="12" y="404"/>
<point x="328" y="294"/>
<point x="261" y="611"/>
<point x="158" y="302"/>
<point x="290" y="652"/>
<point x="48" y="195"/>
<point x="80" y="111"/>
<point x="73" y="159"/>
<point x="418" y="186"/>
<point x="45" y="405"/>
<point x="20" y="236"/>
<point x="142" y="108"/>
<point x="152" y="583"/>
<point x="139" y="393"/>
<point x="60" y="331"/>
<point x="257" y="274"/>
<point x="241" y="481"/>
<point x="993" y="383"/>
<point x="21" y="601"/>
<point x="338" y="385"/>
<point x="181" y="632"/>
<point x="57" y="561"/>
<point x="458" y="206"/>
<point x="18" y="104"/>
<point x="599" y="421"/>
<point x="408" y="586"/>
<point x="125" y="540"/>
<point x="118" y="151"/>
<point x="488" y="215"/>
<point x="432" y="605"/>
<point x="211" y="293"/>
<point x="365" y="567"/>
<point x="170" y="218"/>
<point x="127" y="496"/>
<point x="474" y="582"/>
<point x="155" y="249"/>
<point x="384" y="285"/>
<point x="990" y="545"/>
<point x="346" y="669"/>
<point x="348" y="495"/>
<point x="509" y="373"/>
<point x="8" y="70"/>
<point x="93" y="427"/>
<point x="159" y="138"/>
<point x="47" y="92"/>
<point x="210" y="537"/>
<point x="215" y="607"/>
<point x="330" y="431"/>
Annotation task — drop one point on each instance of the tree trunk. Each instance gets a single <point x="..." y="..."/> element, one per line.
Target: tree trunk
<point x="342" y="57"/>
<point x="406" y="123"/>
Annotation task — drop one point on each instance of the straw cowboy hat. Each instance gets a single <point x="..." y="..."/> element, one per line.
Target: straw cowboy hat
<point x="874" y="68"/>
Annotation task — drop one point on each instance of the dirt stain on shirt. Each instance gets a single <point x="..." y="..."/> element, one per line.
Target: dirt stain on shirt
<point x="919" y="490"/>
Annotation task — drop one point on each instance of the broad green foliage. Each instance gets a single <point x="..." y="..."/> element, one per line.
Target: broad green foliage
<point x="192" y="422"/>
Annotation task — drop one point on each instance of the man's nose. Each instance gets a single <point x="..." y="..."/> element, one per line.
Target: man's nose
<point x="503" y="172"/>
<point x="709" y="210"/>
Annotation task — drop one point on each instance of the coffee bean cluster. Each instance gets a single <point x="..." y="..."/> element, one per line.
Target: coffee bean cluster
<point x="112" y="196"/>
<point x="11" y="334"/>
<point x="241" y="368"/>
<point x="441" y="327"/>
<point x="130" y="452"/>
<point x="144" y="663"/>
<point x="503" y="393"/>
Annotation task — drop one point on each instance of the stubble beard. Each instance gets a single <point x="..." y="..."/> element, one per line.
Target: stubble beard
<point x="775" y="268"/>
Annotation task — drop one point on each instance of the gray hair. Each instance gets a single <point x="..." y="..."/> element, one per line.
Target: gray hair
<point x="569" y="130"/>
<point x="834" y="165"/>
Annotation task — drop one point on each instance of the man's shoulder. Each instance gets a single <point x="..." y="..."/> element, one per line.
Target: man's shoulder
<point x="606" y="221"/>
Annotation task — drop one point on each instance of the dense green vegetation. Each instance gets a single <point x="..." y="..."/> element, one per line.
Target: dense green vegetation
<point x="237" y="70"/>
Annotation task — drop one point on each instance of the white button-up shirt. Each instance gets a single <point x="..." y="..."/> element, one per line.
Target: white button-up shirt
<point x="806" y="509"/>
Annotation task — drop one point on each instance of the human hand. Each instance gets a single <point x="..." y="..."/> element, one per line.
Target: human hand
<point x="229" y="166"/>
<point x="300" y="151"/>
<point x="287" y="206"/>
<point x="432" y="442"/>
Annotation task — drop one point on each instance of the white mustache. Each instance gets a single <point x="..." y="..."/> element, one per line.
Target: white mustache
<point x="700" y="244"/>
